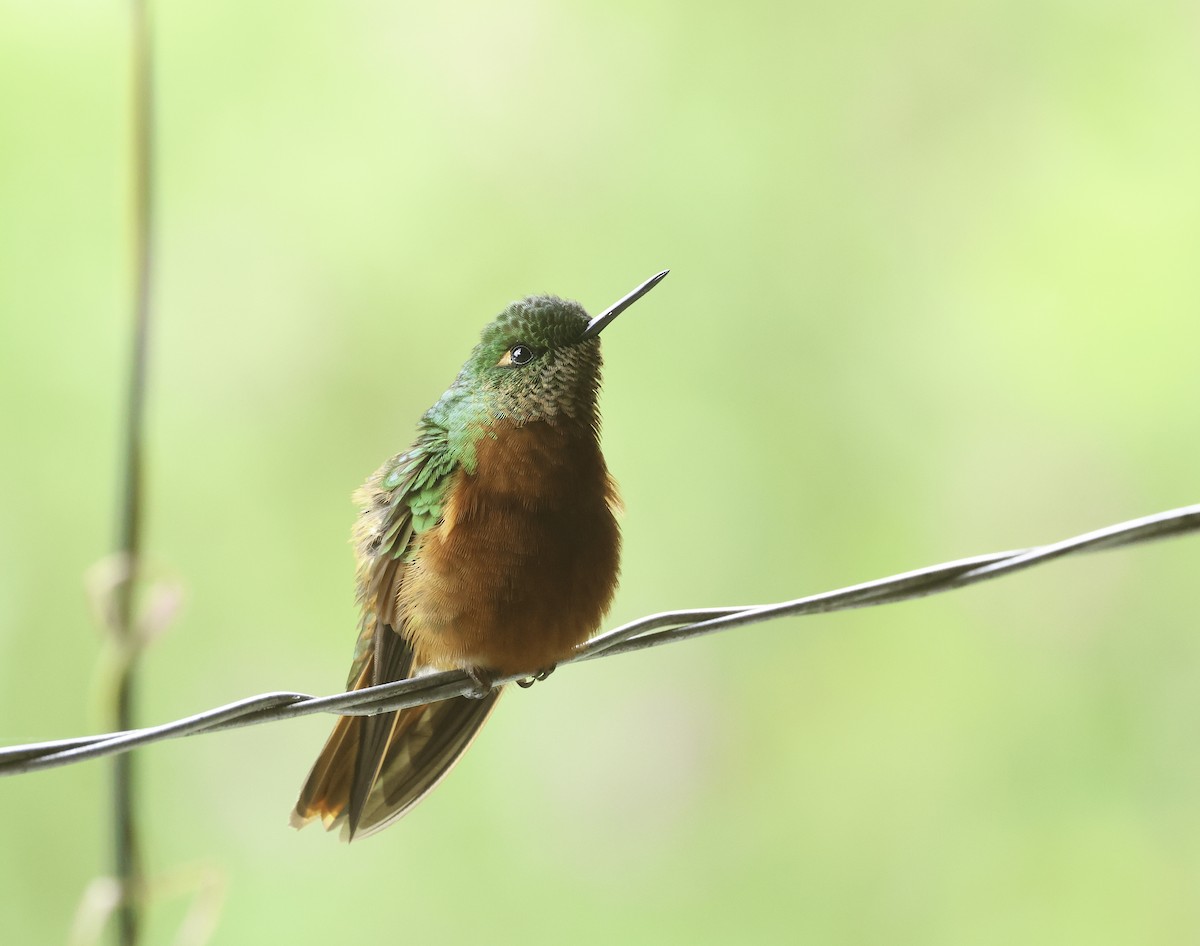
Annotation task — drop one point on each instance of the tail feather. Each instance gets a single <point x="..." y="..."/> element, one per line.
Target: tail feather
<point x="425" y="744"/>
<point x="373" y="769"/>
<point x="327" y="788"/>
<point x="377" y="734"/>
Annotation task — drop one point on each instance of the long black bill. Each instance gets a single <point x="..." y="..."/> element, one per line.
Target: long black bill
<point x="596" y="326"/>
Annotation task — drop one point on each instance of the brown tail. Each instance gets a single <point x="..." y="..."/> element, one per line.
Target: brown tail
<point x="374" y="768"/>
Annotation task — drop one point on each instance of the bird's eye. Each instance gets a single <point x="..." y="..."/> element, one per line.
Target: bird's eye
<point x="518" y="355"/>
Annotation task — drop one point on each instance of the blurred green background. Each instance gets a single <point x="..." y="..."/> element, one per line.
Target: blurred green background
<point x="934" y="292"/>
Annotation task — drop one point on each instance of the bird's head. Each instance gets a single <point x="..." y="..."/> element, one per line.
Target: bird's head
<point x="540" y="359"/>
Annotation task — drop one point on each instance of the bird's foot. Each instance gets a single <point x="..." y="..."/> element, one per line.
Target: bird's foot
<point x="483" y="680"/>
<point x="526" y="682"/>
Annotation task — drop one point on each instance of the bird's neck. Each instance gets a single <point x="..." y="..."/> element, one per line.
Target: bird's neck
<point x="542" y="464"/>
<point x="472" y="414"/>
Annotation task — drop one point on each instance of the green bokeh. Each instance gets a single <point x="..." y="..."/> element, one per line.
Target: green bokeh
<point x="934" y="292"/>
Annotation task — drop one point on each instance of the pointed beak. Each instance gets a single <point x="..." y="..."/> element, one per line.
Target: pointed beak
<point x="596" y="326"/>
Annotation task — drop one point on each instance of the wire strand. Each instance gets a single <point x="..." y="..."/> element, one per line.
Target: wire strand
<point x="650" y="631"/>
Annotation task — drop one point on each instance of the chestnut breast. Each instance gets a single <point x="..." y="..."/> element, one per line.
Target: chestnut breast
<point x="523" y="564"/>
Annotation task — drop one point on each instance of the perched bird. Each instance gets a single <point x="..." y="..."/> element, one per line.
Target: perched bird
<point x="490" y="546"/>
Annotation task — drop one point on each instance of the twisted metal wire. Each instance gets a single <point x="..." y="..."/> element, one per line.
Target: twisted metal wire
<point x="651" y="631"/>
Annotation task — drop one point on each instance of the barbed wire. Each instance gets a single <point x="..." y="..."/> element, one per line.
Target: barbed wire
<point x="651" y="631"/>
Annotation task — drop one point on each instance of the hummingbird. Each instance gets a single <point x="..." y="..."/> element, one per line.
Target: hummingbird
<point x="491" y="546"/>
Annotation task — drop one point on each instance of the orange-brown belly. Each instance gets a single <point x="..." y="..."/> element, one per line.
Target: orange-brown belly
<point x="523" y="564"/>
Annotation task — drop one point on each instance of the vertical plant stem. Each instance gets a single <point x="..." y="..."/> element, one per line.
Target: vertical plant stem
<point x="126" y="855"/>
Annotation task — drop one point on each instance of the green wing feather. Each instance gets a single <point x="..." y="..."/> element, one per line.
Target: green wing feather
<point x="399" y="501"/>
<point x="374" y="768"/>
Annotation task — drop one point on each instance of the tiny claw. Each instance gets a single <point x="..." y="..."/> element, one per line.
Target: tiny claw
<point x="526" y="682"/>
<point x="483" y="681"/>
